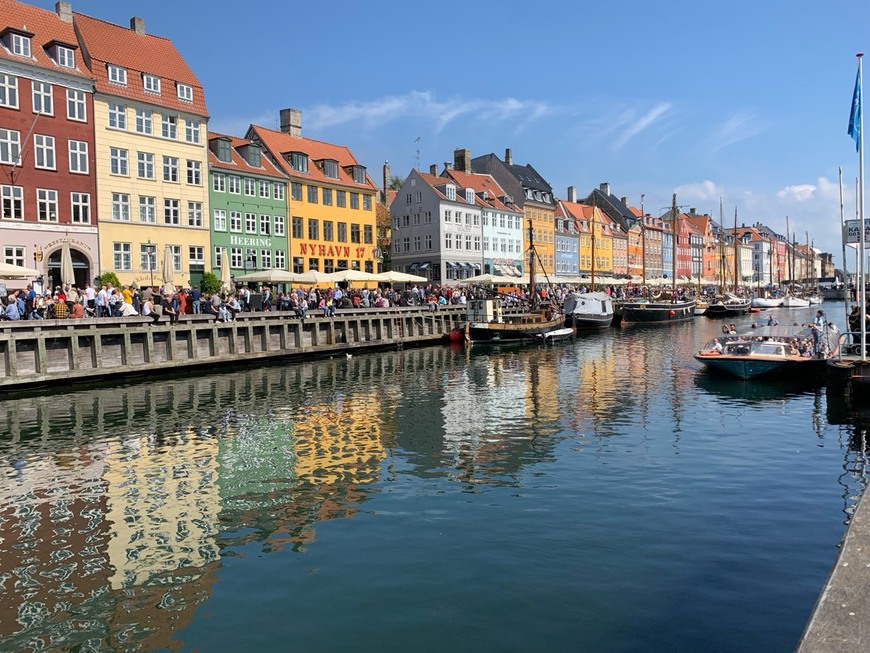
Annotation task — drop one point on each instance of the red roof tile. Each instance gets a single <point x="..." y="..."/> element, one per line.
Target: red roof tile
<point x="107" y="43"/>
<point x="46" y="26"/>
<point x="239" y="163"/>
<point x="281" y="144"/>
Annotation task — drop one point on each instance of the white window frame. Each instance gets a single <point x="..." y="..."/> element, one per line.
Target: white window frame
<point x="171" y="211"/>
<point x="280" y="225"/>
<point x="236" y="222"/>
<point x="121" y="207"/>
<point x="145" y="165"/>
<point x="250" y="223"/>
<point x="265" y="189"/>
<point x="192" y="131"/>
<point x="117" y="75"/>
<point x="21" y="45"/>
<point x="151" y="83"/>
<point x="194" y="214"/>
<point x="265" y="224"/>
<point x="10" y="146"/>
<point x="185" y="92"/>
<point x="65" y="57"/>
<point x="219" y="220"/>
<point x="170" y="169"/>
<point x="44" y="152"/>
<point x="43" y="98"/>
<point x="278" y="191"/>
<point x="280" y="259"/>
<point x="12" y="202"/>
<point x="250" y="187"/>
<point x="177" y="261"/>
<point x="235" y="185"/>
<point x="169" y="127"/>
<point x="46" y="205"/>
<point x="119" y="163"/>
<point x="147" y="257"/>
<point x="117" y="116"/>
<point x="76" y="105"/>
<point x="219" y="182"/>
<point x="8" y="91"/>
<point x="122" y="256"/>
<point x="80" y="208"/>
<point x="147" y="209"/>
<point x="78" y="157"/>
<point x="144" y="121"/>
<point x="194" y="173"/>
<point x="196" y="254"/>
<point x="13" y="255"/>
<point x="235" y="257"/>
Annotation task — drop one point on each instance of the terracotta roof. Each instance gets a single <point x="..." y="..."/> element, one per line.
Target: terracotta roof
<point x="238" y="163"/>
<point x="281" y="144"/>
<point x="107" y="43"/>
<point x="46" y="26"/>
<point x="479" y="183"/>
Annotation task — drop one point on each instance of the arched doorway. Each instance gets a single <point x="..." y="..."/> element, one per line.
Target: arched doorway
<point x="81" y="268"/>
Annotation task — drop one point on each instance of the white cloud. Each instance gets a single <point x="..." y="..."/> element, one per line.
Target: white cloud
<point x="703" y="191"/>
<point x="631" y="127"/>
<point x="798" y="193"/>
<point x="737" y="128"/>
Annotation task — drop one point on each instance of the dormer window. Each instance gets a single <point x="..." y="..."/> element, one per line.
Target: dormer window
<point x="299" y="161"/>
<point x="254" y="156"/>
<point x="117" y="75"/>
<point x="451" y="192"/>
<point x="223" y="150"/>
<point x="65" y="56"/>
<point x="185" y="92"/>
<point x="469" y="195"/>
<point x="151" y="83"/>
<point x="21" y="45"/>
<point x="359" y="174"/>
<point x="330" y="168"/>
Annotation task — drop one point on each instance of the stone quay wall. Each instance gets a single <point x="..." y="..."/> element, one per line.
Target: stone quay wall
<point x="54" y="352"/>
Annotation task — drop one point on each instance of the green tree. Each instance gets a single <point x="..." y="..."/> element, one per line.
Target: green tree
<point x="109" y="278"/>
<point x="210" y="284"/>
<point x="396" y="182"/>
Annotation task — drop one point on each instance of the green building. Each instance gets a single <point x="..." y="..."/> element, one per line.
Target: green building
<point x="248" y="204"/>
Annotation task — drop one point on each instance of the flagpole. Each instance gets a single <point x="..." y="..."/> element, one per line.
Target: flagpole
<point x="863" y="303"/>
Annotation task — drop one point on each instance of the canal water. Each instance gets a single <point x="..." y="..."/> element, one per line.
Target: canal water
<point x="600" y="495"/>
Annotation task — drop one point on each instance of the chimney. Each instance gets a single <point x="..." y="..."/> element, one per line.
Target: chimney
<point x="462" y="160"/>
<point x="572" y="193"/>
<point x="692" y="211"/>
<point x="605" y="188"/>
<point x="64" y="11"/>
<point x="446" y="166"/>
<point x="508" y="156"/>
<point x="386" y="179"/>
<point x="291" y="122"/>
<point x="624" y="200"/>
<point x="433" y="170"/>
<point x="137" y="24"/>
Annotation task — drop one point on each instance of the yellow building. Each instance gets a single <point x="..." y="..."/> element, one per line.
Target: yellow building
<point x="151" y="157"/>
<point x="596" y="236"/>
<point x="332" y="199"/>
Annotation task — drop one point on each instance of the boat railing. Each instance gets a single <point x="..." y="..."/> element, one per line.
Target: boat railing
<point x="849" y="344"/>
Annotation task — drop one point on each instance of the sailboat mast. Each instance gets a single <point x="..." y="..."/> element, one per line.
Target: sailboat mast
<point x="736" y="260"/>
<point x="642" y="241"/>
<point x="593" y="244"/>
<point x="532" y="289"/>
<point x="674" y="254"/>
<point x="789" y="253"/>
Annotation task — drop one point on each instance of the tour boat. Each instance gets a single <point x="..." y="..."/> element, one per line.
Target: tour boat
<point x="766" y="302"/>
<point x="766" y="352"/>
<point x="731" y="306"/>
<point x="588" y="310"/>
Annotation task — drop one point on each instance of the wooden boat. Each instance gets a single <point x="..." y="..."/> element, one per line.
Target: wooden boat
<point x="700" y="307"/>
<point x="767" y="352"/>
<point x="766" y="302"/>
<point x="792" y="301"/>
<point x="588" y="310"/>
<point x="730" y="306"/>
<point x="657" y="311"/>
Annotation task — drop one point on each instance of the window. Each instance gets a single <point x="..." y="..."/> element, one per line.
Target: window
<point x="313" y="230"/>
<point x="175" y="252"/>
<point x="170" y="168"/>
<point x="467" y="241"/>
<point x="171" y="212"/>
<point x="251" y="223"/>
<point x="367" y="202"/>
<point x="236" y="221"/>
<point x="192" y="131"/>
<point x="8" y="91"/>
<point x="117" y="115"/>
<point x="235" y="185"/>
<point x="118" y="163"/>
<point x="13" y="202"/>
<point x="327" y="230"/>
<point x="354" y="200"/>
<point x="327" y="197"/>
<point x="194" y="173"/>
<point x="194" y="214"/>
<point x="151" y="83"/>
<point x="342" y="232"/>
<point x="312" y="194"/>
<point x="42" y="98"/>
<point x="340" y="198"/>
<point x="280" y="259"/>
<point x="185" y="92"/>
<point x="20" y="45"/>
<point x="44" y="149"/>
<point x="147" y="256"/>
<point x="66" y="57"/>
<point x="368" y="234"/>
<point x="147" y="209"/>
<point x="265" y="224"/>
<point x="278" y="191"/>
<point x="448" y="241"/>
<point x="359" y="174"/>
<point x="196" y="254"/>
<point x="265" y="188"/>
<point x="417" y="243"/>
<point x="169" y="126"/>
<point x="236" y="257"/>
<point x="266" y="259"/>
<point x="354" y="234"/>
<point x="406" y="244"/>
<point x="76" y="109"/>
<point x="10" y="146"/>
<point x="145" y="165"/>
<point x="219" y="182"/>
<point x="224" y="153"/>
<point x="80" y="204"/>
<point x="296" y="191"/>
<point x="428" y="241"/>
<point x="279" y="225"/>
<point x="121" y="207"/>
<point x="219" y="220"/>
<point x="117" y="75"/>
<point x="144" y="121"/>
<point x="78" y="157"/>
<point x="13" y="255"/>
<point x="250" y="187"/>
<point x="330" y="169"/>
<point x="296" y="225"/>
<point x="299" y="161"/>
<point x="122" y="256"/>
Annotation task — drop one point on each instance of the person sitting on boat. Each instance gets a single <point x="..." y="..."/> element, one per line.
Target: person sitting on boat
<point x="725" y="329"/>
<point x="717" y="347"/>
<point x="793" y="348"/>
<point x="732" y="329"/>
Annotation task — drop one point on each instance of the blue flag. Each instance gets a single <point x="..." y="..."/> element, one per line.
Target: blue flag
<point x="855" y="116"/>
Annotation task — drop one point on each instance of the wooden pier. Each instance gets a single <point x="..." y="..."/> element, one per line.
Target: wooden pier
<point x="53" y="352"/>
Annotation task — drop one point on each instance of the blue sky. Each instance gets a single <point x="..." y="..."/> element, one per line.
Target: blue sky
<point x="748" y="101"/>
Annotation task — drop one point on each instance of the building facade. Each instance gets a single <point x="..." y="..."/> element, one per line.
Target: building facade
<point x="150" y="122"/>
<point x="48" y="191"/>
<point x="248" y="205"/>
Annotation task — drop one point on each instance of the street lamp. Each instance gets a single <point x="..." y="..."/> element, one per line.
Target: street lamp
<point x="150" y="249"/>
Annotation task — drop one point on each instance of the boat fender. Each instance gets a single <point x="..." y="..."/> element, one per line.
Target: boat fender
<point x="673" y="312"/>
